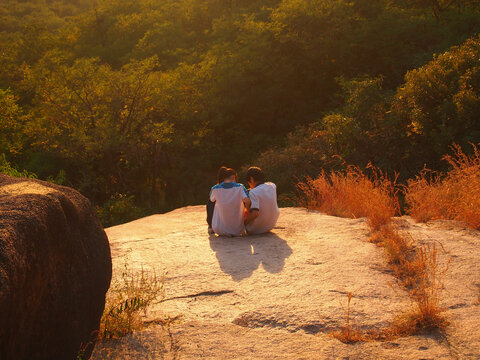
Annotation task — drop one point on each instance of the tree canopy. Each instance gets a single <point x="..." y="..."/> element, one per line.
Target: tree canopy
<point x="148" y="98"/>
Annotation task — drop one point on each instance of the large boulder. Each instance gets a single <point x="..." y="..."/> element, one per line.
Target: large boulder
<point x="55" y="269"/>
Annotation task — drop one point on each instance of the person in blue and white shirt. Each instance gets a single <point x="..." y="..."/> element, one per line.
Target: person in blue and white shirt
<point x="263" y="210"/>
<point x="230" y="200"/>
<point x="211" y="204"/>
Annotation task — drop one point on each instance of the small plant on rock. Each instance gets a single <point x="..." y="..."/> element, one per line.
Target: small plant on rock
<point x="127" y="300"/>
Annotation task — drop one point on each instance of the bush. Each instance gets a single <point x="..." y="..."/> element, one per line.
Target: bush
<point x="7" y="169"/>
<point x="352" y="194"/>
<point x="120" y="208"/>
<point x="440" y="103"/>
<point x="454" y="196"/>
<point x="305" y="153"/>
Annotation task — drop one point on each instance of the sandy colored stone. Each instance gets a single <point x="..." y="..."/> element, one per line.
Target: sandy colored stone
<point x="279" y="295"/>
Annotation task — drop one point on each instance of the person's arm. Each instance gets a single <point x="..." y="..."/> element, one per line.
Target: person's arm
<point x="253" y="209"/>
<point x="252" y="215"/>
<point x="245" y="198"/>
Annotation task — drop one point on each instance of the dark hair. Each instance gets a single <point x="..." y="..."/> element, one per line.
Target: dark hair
<point x="230" y="172"/>
<point x="256" y="173"/>
<point x="224" y="173"/>
<point x="221" y="174"/>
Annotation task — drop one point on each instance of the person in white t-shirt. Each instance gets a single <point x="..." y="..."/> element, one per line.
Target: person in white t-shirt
<point x="230" y="200"/>
<point x="263" y="210"/>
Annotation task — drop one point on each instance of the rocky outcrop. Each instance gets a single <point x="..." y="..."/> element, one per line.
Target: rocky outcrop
<point x="278" y="296"/>
<point x="55" y="268"/>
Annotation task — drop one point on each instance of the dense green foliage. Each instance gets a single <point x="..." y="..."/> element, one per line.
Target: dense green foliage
<point x="147" y="98"/>
<point x="399" y="131"/>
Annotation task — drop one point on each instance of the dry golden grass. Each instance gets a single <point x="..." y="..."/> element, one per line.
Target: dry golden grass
<point x="454" y="196"/>
<point x="427" y="313"/>
<point x="349" y="333"/>
<point x="127" y="300"/>
<point x="421" y="274"/>
<point x="352" y="194"/>
<point x="399" y="249"/>
<point x="418" y="270"/>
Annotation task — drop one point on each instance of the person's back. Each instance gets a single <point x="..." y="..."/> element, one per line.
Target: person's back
<point x="264" y="198"/>
<point x="263" y="213"/>
<point x="228" y="216"/>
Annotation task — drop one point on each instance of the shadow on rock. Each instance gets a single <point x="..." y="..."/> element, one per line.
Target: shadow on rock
<point x="241" y="256"/>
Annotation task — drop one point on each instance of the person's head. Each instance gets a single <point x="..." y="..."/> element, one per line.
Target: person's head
<point x="255" y="176"/>
<point x="230" y="175"/>
<point x="226" y="174"/>
<point x="221" y="174"/>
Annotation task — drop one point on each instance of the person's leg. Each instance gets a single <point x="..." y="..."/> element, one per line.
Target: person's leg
<point x="210" y="210"/>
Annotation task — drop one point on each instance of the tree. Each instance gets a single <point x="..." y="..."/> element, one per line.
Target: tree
<point x="104" y="122"/>
<point x="440" y="103"/>
<point x="12" y="122"/>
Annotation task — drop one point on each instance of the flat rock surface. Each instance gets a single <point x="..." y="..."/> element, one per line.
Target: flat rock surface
<point x="279" y="295"/>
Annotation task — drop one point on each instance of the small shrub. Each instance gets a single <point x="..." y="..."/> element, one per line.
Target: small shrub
<point x="120" y="208"/>
<point x="59" y="179"/>
<point x="454" y="196"/>
<point x="306" y="151"/>
<point x="7" y="169"/>
<point x="126" y="301"/>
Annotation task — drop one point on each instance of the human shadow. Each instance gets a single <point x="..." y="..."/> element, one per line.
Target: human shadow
<point x="241" y="256"/>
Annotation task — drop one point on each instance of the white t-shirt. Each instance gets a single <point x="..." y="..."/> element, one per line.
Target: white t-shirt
<point x="228" y="215"/>
<point x="264" y="199"/>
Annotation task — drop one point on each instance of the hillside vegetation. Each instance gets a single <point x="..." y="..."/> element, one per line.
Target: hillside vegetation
<point x="137" y="103"/>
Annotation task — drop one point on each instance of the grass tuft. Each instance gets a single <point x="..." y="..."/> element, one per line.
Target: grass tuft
<point x="349" y="333"/>
<point x="127" y="300"/>
<point x="427" y="313"/>
<point x="454" y="196"/>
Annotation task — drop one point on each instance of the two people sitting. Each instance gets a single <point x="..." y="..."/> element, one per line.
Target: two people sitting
<point x="232" y="210"/>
